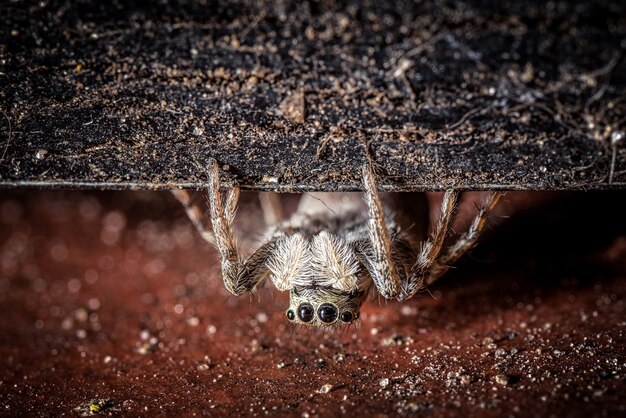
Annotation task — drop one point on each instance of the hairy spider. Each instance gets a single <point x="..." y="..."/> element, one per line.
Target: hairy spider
<point x="330" y="260"/>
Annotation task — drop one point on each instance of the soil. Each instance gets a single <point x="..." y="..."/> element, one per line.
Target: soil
<point x="111" y="304"/>
<point x="469" y="95"/>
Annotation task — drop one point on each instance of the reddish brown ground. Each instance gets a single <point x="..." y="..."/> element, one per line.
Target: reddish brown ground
<point x="113" y="296"/>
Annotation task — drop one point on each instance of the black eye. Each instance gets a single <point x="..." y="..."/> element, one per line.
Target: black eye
<point x="290" y="315"/>
<point x="306" y="312"/>
<point x="327" y="313"/>
<point x="346" y="316"/>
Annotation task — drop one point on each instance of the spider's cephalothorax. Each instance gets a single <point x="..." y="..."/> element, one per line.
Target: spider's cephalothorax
<point x="331" y="253"/>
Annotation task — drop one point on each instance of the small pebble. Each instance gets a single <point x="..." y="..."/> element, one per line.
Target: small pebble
<point x="326" y="388"/>
<point x="197" y="131"/>
<point x="41" y="154"/>
<point x="502" y="379"/>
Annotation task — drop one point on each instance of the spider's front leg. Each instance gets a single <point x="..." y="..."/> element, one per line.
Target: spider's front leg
<point x="388" y="275"/>
<point x="239" y="276"/>
<point x="379" y="259"/>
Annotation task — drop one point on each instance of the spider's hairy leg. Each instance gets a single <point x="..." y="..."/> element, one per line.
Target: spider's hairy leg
<point x="467" y="241"/>
<point x="380" y="262"/>
<point x="239" y="276"/>
<point x="431" y="248"/>
<point x="195" y="215"/>
<point x="272" y="209"/>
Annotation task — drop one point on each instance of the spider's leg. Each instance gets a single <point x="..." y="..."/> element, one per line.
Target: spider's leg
<point x="239" y="276"/>
<point x="195" y="214"/>
<point x="272" y="210"/>
<point x="466" y="241"/>
<point x="379" y="258"/>
<point x="431" y="248"/>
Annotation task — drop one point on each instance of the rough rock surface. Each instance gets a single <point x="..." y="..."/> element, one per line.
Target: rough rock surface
<point x="287" y="95"/>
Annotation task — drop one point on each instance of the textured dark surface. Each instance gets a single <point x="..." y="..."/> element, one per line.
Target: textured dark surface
<point x="469" y="94"/>
<point x="113" y="296"/>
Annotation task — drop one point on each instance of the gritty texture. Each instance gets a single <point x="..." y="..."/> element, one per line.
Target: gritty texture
<point x="286" y="95"/>
<point x="111" y="304"/>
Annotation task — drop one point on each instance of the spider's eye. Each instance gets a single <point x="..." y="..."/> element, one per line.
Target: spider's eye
<point x="306" y="312"/>
<point x="327" y="313"/>
<point x="290" y="315"/>
<point x="346" y="316"/>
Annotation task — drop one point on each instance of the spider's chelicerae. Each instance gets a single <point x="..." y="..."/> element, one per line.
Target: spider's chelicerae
<point x="329" y="260"/>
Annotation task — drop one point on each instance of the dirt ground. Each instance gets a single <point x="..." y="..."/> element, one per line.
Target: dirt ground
<point x="110" y="303"/>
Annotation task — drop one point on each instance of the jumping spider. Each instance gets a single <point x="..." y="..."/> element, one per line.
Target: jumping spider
<point x="329" y="261"/>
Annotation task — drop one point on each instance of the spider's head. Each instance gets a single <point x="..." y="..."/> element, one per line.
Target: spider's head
<point x="324" y="306"/>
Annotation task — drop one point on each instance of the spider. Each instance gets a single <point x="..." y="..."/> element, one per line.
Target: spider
<point x="329" y="260"/>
